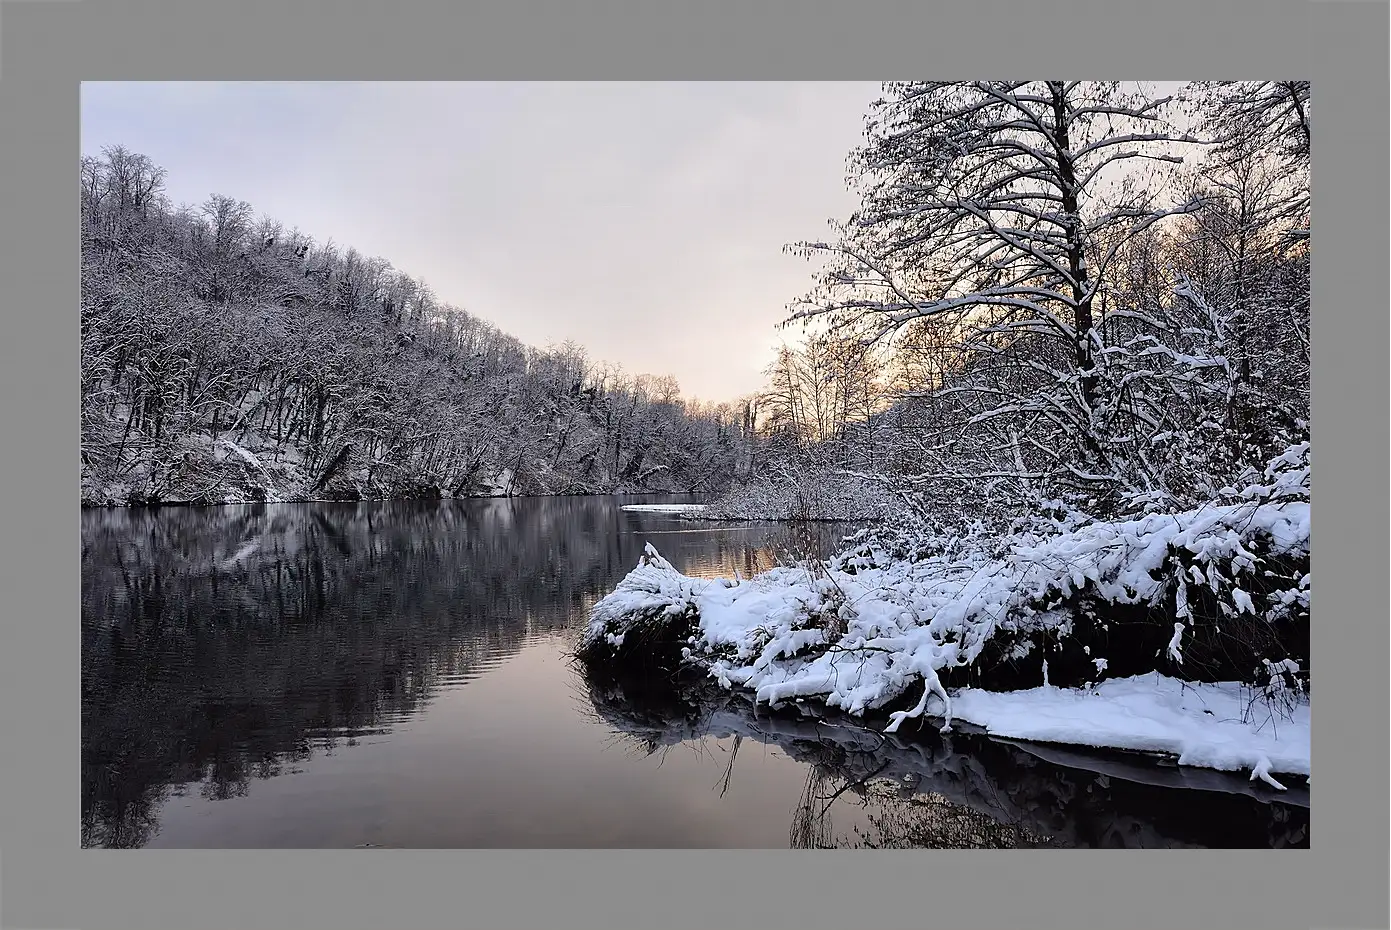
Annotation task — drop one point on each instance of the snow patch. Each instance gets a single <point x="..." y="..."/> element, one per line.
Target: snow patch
<point x="663" y="508"/>
<point x="861" y="630"/>
<point x="1202" y="725"/>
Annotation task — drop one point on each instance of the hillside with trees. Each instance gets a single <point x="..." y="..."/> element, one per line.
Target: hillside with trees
<point x="226" y="358"/>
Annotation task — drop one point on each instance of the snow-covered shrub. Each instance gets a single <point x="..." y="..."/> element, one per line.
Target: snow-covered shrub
<point x="1276" y="690"/>
<point x="805" y="493"/>
<point x="653" y="608"/>
<point x="1194" y="586"/>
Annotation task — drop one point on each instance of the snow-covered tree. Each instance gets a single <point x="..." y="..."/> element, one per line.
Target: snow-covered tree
<point x="207" y="329"/>
<point x="998" y="223"/>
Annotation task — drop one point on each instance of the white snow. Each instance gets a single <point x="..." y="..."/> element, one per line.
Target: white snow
<point x="250" y="459"/>
<point x="804" y="492"/>
<point x="242" y="454"/>
<point x="898" y="622"/>
<point x="663" y="508"/>
<point x="1207" y="725"/>
<point x="500" y="485"/>
<point x="1242" y="601"/>
<point x="1176" y="644"/>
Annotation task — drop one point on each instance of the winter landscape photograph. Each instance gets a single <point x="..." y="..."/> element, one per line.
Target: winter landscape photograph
<point x="695" y="465"/>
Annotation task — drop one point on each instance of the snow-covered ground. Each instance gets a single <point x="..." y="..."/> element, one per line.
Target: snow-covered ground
<point x="1214" y="726"/>
<point x="664" y="508"/>
<point x="259" y="468"/>
<point x="823" y="495"/>
<point x="1005" y="786"/>
<point x="861" y="630"/>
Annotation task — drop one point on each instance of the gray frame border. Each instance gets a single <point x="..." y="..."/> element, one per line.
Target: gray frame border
<point x="46" y="48"/>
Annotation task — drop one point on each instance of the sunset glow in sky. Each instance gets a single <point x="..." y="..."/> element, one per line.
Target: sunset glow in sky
<point x="644" y="221"/>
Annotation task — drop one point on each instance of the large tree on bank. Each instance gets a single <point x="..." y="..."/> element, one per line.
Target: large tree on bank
<point x="996" y="210"/>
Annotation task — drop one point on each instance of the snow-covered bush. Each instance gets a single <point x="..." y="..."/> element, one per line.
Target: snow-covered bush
<point x="1206" y="594"/>
<point x="652" y="610"/>
<point x="805" y="493"/>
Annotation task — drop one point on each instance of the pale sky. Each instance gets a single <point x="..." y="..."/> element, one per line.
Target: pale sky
<point x="644" y="221"/>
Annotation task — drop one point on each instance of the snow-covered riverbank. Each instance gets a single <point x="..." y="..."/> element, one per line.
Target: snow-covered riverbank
<point x="1121" y="611"/>
<point x="208" y="472"/>
<point x="683" y="509"/>
<point x="1218" y="726"/>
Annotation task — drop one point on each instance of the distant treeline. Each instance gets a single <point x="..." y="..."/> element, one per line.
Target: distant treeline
<point x="227" y="358"/>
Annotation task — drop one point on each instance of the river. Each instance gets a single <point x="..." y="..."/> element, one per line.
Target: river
<point x="396" y="675"/>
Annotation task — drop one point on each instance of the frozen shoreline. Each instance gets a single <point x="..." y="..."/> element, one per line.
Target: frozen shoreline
<point x="1203" y="725"/>
<point x="664" y="508"/>
<point x="869" y="629"/>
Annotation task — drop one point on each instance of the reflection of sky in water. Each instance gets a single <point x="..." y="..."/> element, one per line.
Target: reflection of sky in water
<point x="398" y="675"/>
<point x="508" y="760"/>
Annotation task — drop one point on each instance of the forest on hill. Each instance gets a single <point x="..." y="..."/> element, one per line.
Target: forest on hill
<point x="1077" y="299"/>
<point x="226" y="358"/>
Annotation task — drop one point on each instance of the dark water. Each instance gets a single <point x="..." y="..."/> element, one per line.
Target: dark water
<point x="342" y="675"/>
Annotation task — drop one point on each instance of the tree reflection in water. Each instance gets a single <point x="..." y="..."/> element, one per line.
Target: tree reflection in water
<point x="221" y="645"/>
<point x="961" y="790"/>
<point x="225" y="645"/>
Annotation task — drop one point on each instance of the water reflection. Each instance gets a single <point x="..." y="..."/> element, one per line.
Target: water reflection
<point x="319" y="675"/>
<point x="961" y="790"/>
<point x="228" y="644"/>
